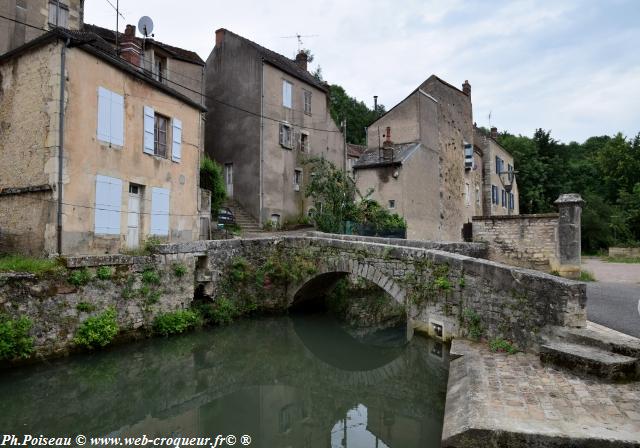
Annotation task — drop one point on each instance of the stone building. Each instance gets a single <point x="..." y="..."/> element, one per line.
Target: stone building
<point x="98" y="159"/>
<point x="28" y="19"/>
<point x="500" y="188"/>
<point x="266" y="114"/>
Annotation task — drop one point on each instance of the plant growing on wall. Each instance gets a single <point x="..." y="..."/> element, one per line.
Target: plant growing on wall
<point x="15" y="341"/>
<point x="212" y="179"/>
<point x="175" y="322"/>
<point x="98" y="331"/>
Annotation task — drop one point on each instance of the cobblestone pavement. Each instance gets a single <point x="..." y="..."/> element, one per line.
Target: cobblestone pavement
<point x="516" y="394"/>
<point x="613" y="272"/>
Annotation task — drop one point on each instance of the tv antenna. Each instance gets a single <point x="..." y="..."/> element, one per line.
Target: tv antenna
<point x="145" y="26"/>
<point x="299" y="37"/>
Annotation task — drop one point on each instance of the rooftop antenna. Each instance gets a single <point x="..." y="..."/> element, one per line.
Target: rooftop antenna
<point x="299" y="37"/>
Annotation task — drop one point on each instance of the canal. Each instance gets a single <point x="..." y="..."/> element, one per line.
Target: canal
<point x="303" y="380"/>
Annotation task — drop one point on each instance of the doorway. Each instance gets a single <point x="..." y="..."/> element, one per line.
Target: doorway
<point x="228" y="175"/>
<point x="133" y="219"/>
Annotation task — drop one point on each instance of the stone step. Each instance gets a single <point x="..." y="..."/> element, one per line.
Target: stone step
<point x="590" y="360"/>
<point x="245" y="221"/>
<point x="616" y="343"/>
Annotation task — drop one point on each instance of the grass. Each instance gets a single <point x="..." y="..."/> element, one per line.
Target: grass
<point x="632" y="260"/>
<point x="20" y="263"/>
<point x="502" y="345"/>
<point x="586" y="276"/>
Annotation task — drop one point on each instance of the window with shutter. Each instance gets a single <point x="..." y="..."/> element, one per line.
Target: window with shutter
<point x="286" y="138"/>
<point x="108" y="205"/>
<point x="287" y="96"/>
<point x="149" y="128"/>
<point x="110" y="117"/>
<point x="160" y="211"/>
<point x="176" y="147"/>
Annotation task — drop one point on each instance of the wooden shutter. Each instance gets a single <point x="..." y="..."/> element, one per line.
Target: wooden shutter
<point x="176" y="147"/>
<point x="281" y="134"/>
<point x="160" y="211"/>
<point x="149" y="124"/>
<point x="104" y="115"/>
<point x="117" y="119"/>
<point x="108" y="205"/>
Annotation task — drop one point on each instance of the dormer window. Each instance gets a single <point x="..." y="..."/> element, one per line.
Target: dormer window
<point x="468" y="156"/>
<point x="159" y="68"/>
<point x="58" y="14"/>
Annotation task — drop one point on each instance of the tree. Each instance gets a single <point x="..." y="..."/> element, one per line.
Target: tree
<point x="357" y="114"/>
<point x="211" y="178"/>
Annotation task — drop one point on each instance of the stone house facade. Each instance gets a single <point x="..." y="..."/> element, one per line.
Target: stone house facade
<point x="29" y="19"/>
<point x="124" y="151"/>
<point x="266" y="115"/>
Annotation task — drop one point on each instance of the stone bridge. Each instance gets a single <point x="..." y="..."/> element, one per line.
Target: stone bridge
<point x="447" y="289"/>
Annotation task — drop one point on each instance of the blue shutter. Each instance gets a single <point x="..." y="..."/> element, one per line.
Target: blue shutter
<point x="104" y="115"/>
<point x="160" y="211"/>
<point x="176" y="148"/>
<point x="149" y="125"/>
<point x="108" y="205"/>
<point x="117" y="119"/>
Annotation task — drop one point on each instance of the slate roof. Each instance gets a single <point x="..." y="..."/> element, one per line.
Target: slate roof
<point x="373" y="158"/>
<point x="283" y="63"/>
<point x="175" y="52"/>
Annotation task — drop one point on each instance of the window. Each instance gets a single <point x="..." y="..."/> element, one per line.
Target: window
<point x="307" y="102"/>
<point x="499" y="165"/>
<point x="494" y="194"/>
<point x="304" y="141"/>
<point x="160" y="136"/>
<point x="160" y="68"/>
<point x="467" y="194"/>
<point x="512" y="201"/>
<point x="156" y="135"/>
<point x="286" y="135"/>
<point x="58" y="16"/>
<point x="110" y="117"/>
<point x="160" y="211"/>
<point x="468" y="156"/>
<point x="392" y="204"/>
<point x="108" y="205"/>
<point x="287" y="96"/>
<point x="504" y="199"/>
<point x="297" y="179"/>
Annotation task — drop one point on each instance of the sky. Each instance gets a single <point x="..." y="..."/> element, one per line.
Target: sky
<point x="568" y="66"/>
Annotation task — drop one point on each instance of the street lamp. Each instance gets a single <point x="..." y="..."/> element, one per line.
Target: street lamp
<point x="510" y="176"/>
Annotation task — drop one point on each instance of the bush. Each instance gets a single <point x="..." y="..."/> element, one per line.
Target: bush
<point x="587" y="276"/>
<point x="502" y="345"/>
<point x="212" y="179"/>
<point x="474" y="324"/>
<point x="223" y="311"/>
<point x="79" y="277"/>
<point x="15" y="341"/>
<point x="179" y="270"/>
<point x="104" y="272"/>
<point x="175" y="322"/>
<point x="151" y="277"/>
<point x="97" y="331"/>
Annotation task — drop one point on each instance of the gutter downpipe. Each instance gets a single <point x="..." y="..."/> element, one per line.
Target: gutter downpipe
<point x="63" y="56"/>
<point x="261" y="143"/>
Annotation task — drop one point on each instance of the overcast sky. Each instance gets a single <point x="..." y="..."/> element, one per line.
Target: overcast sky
<point x="572" y="67"/>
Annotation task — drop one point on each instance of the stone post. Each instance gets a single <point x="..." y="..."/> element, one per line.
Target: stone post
<point x="568" y="245"/>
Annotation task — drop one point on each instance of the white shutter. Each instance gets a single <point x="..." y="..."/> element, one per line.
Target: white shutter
<point x="117" y="119"/>
<point x="104" y="115"/>
<point x="160" y="211"/>
<point x="149" y="124"/>
<point x="176" y="148"/>
<point x="108" y="205"/>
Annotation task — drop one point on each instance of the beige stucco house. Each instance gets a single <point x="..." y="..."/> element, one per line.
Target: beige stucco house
<point x="266" y="114"/>
<point x="119" y="161"/>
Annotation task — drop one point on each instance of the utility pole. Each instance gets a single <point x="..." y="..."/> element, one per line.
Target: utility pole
<point x="344" y="134"/>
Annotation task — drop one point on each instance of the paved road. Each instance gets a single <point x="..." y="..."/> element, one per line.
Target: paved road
<point x="615" y="305"/>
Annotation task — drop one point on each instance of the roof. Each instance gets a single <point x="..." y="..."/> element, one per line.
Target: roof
<point x="478" y="134"/>
<point x="374" y="158"/>
<point x="355" y="150"/>
<point x="175" y="52"/>
<point x="98" y="47"/>
<point x="282" y="62"/>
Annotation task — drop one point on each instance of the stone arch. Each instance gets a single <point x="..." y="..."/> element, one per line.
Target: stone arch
<point x="356" y="267"/>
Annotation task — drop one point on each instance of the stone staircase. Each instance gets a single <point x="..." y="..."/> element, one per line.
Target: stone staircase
<point x="594" y="350"/>
<point x="244" y="220"/>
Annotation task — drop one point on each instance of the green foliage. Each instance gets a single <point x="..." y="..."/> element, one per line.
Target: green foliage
<point x="150" y="277"/>
<point x="21" y="263"/>
<point x="179" y="269"/>
<point x="338" y="299"/>
<point x="358" y="115"/>
<point x="462" y="282"/>
<point x="473" y="323"/>
<point x="212" y="179"/>
<point x="587" y="276"/>
<point x="175" y="322"/>
<point x="369" y="212"/>
<point x="104" y="272"/>
<point x="97" y="331"/>
<point x="223" y="311"/>
<point x="79" y="277"/>
<point x="443" y="283"/>
<point x="502" y="345"/>
<point x="15" y="341"/>
<point x="85" y="307"/>
<point x="239" y="270"/>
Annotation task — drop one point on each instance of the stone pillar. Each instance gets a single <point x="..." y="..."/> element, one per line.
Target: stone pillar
<point x="568" y="245"/>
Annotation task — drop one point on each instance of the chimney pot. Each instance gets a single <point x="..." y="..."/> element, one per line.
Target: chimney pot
<point x="466" y="88"/>
<point x="130" y="51"/>
<point x="302" y="59"/>
<point x="494" y="132"/>
<point x="130" y="31"/>
<point x="388" y="135"/>
<point x="219" y="36"/>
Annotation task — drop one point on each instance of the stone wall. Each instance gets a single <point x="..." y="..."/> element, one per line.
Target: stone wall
<point x="522" y="240"/>
<point x="624" y="251"/>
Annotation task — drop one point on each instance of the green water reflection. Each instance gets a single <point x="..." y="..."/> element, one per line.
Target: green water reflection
<point x="299" y="381"/>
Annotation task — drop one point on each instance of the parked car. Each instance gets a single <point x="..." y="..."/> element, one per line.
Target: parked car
<point x="225" y="216"/>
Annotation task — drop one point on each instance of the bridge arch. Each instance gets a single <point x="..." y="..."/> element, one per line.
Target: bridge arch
<point x="332" y="270"/>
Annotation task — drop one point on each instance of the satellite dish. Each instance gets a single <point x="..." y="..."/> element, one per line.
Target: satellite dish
<point x="145" y="26"/>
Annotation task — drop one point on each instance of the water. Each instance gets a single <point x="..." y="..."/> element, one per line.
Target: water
<point x="301" y="381"/>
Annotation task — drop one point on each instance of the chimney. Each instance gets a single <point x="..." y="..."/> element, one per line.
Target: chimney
<point x="494" y="132"/>
<point x="466" y="88"/>
<point x="301" y="60"/>
<point x="387" y="136"/>
<point x="129" y="49"/>
<point x="375" y="103"/>
<point x="387" y="146"/>
<point x="219" y="36"/>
